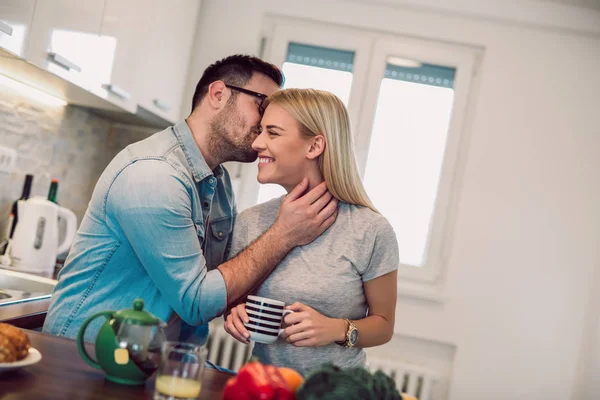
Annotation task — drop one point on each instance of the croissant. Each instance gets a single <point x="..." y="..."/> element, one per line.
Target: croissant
<point x="8" y="353"/>
<point x="14" y="343"/>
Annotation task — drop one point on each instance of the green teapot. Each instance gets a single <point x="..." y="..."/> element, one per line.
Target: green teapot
<point x="127" y="345"/>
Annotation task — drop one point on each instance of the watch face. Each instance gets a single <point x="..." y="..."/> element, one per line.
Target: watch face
<point x="353" y="337"/>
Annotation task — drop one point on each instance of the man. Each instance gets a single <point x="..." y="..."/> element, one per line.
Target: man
<point x="159" y="223"/>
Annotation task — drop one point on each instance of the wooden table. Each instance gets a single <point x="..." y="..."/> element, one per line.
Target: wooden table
<point x="62" y="374"/>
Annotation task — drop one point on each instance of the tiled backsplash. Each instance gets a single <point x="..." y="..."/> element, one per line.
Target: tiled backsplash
<point x="70" y="144"/>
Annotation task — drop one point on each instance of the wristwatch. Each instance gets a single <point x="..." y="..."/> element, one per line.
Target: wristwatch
<point x="351" y="335"/>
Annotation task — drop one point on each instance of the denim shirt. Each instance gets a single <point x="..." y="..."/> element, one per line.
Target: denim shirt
<point x="157" y="226"/>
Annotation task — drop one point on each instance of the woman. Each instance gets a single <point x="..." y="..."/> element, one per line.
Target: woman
<point x="343" y="281"/>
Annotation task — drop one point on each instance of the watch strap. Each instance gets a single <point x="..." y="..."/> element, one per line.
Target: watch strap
<point x="345" y="341"/>
<point x="350" y="327"/>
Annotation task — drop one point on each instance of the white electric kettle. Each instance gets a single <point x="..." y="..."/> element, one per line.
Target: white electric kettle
<point x="35" y="240"/>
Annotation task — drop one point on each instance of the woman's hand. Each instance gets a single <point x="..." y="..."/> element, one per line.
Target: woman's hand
<point x="234" y="324"/>
<point x="309" y="328"/>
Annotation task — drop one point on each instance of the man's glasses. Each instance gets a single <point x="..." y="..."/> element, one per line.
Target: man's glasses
<point x="261" y="97"/>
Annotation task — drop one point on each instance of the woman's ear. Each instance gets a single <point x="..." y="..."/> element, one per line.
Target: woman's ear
<point x="317" y="147"/>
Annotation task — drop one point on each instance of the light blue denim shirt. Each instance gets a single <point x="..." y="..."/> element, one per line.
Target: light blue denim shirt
<point x="157" y="226"/>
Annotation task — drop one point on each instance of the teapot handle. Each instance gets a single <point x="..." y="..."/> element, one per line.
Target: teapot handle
<point x="81" y="346"/>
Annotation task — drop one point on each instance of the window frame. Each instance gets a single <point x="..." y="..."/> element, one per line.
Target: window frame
<point x="279" y="32"/>
<point x="464" y="59"/>
<point x="371" y="51"/>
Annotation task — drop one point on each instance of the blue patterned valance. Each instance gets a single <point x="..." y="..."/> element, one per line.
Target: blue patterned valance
<point x="426" y="74"/>
<point x="341" y="60"/>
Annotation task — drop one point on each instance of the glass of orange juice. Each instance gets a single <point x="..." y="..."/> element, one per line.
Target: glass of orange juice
<point x="179" y="375"/>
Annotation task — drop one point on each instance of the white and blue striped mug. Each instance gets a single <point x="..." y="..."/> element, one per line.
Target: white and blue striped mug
<point x="265" y="318"/>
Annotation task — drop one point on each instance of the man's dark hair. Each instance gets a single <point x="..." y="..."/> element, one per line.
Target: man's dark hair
<point x="235" y="70"/>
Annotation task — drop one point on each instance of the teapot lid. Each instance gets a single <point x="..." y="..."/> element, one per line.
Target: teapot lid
<point x="136" y="315"/>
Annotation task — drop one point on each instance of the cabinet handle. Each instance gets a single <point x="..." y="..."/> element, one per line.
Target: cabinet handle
<point x="117" y="91"/>
<point x="63" y="62"/>
<point x="162" y="105"/>
<point x="6" y="28"/>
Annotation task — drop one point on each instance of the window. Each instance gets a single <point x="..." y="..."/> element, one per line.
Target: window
<point x="318" y="68"/>
<point x="407" y="100"/>
<point x="409" y="137"/>
<point x="326" y="59"/>
<point x="407" y="143"/>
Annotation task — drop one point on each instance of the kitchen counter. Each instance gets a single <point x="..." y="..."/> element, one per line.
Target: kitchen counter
<point x="28" y="315"/>
<point x="62" y="374"/>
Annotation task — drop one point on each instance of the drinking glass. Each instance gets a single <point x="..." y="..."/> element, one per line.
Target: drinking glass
<point x="179" y="375"/>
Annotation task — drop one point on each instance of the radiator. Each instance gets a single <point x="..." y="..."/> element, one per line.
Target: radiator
<point x="414" y="380"/>
<point x="225" y="351"/>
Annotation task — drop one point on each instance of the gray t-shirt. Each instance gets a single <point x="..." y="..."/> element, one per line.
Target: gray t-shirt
<point x="327" y="275"/>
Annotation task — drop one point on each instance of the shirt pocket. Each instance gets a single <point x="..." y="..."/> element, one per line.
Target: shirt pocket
<point x="217" y="239"/>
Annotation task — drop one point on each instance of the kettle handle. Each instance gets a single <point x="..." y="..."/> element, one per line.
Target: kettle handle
<point x="81" y="346"/>
<point x="71" y="229"/>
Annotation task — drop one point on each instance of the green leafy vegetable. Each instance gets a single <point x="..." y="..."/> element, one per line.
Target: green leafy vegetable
<point x="331" y="383"/>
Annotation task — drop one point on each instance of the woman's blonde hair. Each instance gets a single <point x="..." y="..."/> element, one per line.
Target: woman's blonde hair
<point x="323" y="113"/>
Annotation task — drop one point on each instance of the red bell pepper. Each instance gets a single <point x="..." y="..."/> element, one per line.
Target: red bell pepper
<point x="282" y="389"/>
<point x="256" y="381"/>
<point x="253" y="377"/>
<point x="235" y="391"/>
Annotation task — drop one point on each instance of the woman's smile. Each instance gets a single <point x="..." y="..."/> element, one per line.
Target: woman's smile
<point x="264" y="160"/>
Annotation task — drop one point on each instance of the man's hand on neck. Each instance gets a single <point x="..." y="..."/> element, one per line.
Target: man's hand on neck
<point x="302" y="218"/>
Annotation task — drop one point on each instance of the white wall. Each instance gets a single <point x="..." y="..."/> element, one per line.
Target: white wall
<point x="520" y="274"/>
<point x="587" y="385"/>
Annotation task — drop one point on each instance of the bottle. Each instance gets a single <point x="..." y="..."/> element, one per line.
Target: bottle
<point x="14" y="212"/>
<point x="53" y="191"/>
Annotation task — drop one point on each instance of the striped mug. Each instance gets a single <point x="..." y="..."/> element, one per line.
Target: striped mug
<point x="265" y="318"/>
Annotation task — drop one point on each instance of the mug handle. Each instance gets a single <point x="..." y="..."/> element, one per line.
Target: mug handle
<point x="81" y="346"/>
<point x="285" y="312"/>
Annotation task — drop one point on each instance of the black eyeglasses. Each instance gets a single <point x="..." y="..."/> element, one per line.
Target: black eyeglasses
<point x="261" y="97"/>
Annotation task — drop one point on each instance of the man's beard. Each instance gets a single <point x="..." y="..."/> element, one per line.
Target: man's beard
<point x="226" y="147"/>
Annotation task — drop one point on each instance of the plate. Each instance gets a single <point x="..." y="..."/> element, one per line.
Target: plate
<point x="33" y="357"/>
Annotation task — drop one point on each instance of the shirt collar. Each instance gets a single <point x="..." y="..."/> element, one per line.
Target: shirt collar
<point x="200" y="169"/>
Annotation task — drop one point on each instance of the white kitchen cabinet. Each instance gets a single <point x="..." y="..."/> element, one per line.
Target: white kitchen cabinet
<point x="15" y="23"/>
<point x="127" y="58"/>
<point x="124" y="26"/>
<point x="65" y="40"/>
<point x="166" y="54"/>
